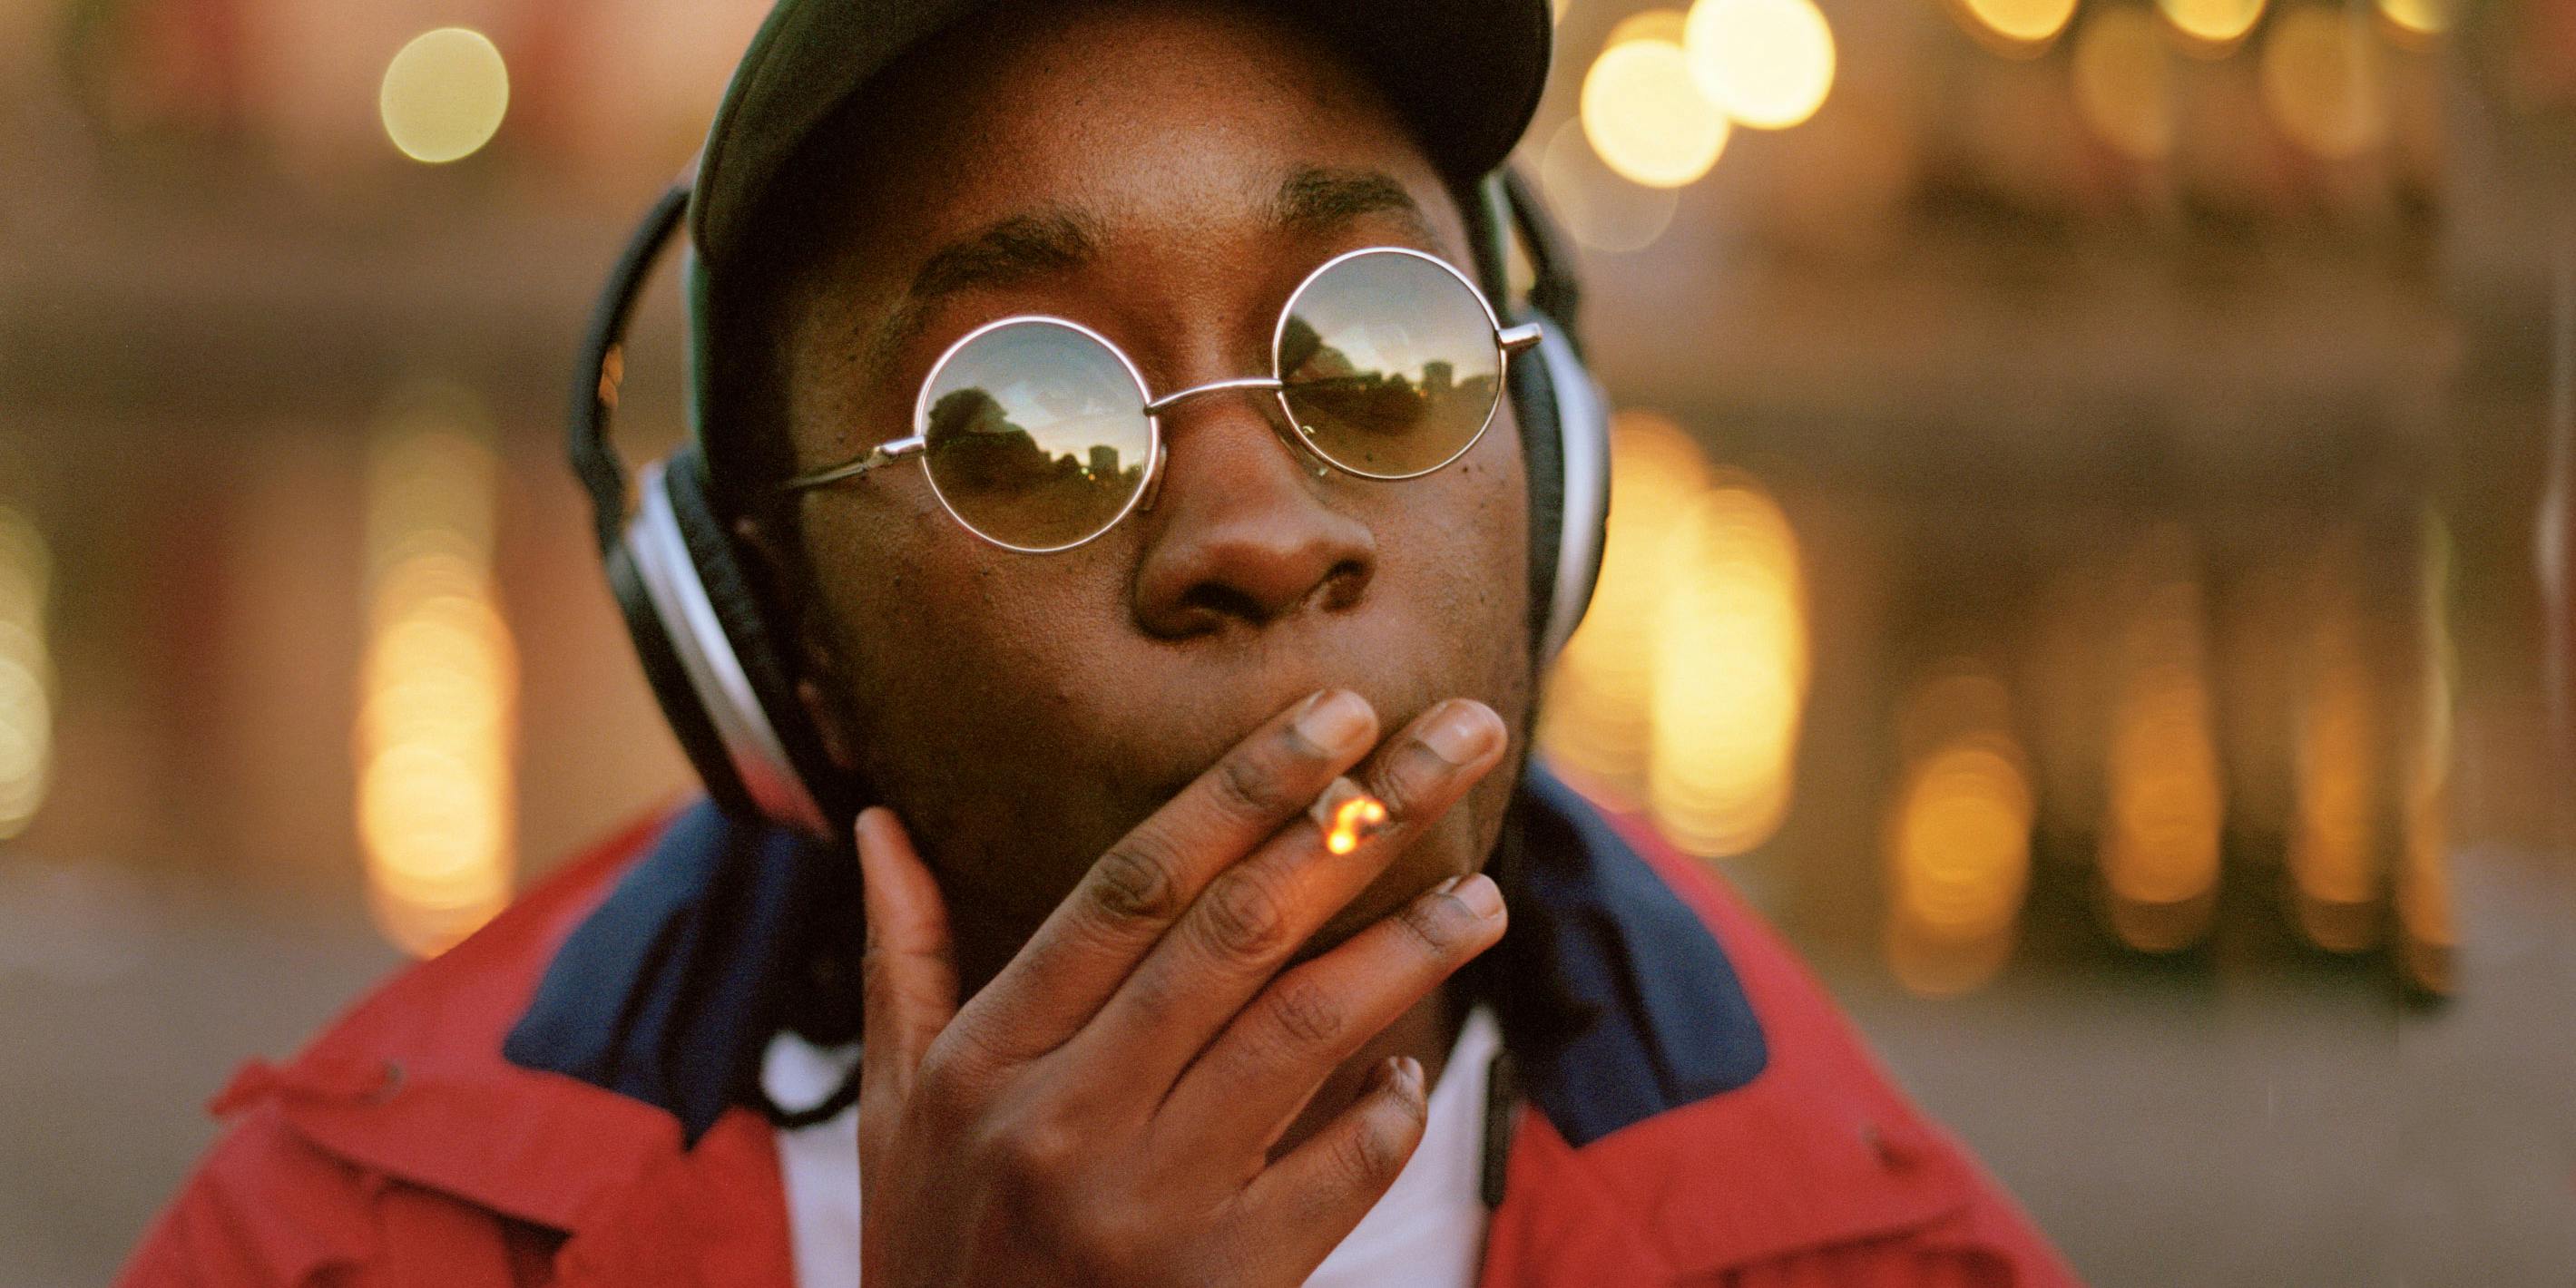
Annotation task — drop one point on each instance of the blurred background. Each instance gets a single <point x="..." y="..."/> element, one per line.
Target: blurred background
<point x="2089" y="560"/>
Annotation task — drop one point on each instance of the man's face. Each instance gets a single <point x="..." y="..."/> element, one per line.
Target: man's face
<point x="1165" y="175"/>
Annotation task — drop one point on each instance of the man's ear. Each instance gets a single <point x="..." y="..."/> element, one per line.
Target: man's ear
<point x="811" y="660"/>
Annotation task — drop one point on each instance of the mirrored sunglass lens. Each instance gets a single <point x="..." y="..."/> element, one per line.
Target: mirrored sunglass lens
<point x="1035" y="435"/>
<point x="1389" y="364"/>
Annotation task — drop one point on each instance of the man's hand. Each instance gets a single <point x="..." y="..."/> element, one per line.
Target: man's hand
<point x="1103" y="1111"/>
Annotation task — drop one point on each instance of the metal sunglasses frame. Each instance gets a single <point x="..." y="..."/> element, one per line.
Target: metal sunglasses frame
<point x="1507" y="341"/>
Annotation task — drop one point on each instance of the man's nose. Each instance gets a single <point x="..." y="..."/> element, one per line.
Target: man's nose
<point x="1240" y="534"/>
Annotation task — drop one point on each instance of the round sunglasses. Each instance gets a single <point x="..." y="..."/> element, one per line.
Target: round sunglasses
<point x="1038" y="434"/>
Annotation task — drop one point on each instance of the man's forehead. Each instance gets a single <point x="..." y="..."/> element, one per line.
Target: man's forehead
<point x="1312" y="201"/>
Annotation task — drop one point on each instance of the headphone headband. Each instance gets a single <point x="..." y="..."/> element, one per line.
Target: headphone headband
<point x="594" y="393"/>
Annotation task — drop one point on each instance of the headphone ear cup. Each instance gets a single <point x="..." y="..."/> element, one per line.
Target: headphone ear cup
<point x="1534" y="405"/>
<point x="721" y="674"/>
<point x="669" y="680"/>
<point x="1565" y="430"/>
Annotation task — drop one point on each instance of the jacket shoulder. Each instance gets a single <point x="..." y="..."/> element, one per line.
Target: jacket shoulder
<point x="394" y="1126"/>
<point x="466" y="997"/>
<point x="262" y="1208"/>
<point x="1819" y="1169"/>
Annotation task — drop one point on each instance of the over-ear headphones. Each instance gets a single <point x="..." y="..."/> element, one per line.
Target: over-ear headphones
<point x="723" y="676"/>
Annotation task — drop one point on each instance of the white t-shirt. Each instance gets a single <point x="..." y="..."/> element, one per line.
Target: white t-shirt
<point x="1428" y="1229"/>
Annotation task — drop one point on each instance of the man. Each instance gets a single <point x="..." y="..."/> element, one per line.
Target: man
<point x="1129" y="1011"/>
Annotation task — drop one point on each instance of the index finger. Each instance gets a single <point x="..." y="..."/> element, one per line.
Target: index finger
<point x="1143" y="884"/>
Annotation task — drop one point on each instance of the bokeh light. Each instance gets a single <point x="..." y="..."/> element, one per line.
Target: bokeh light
<point x="2417" y="20"/>
<point x="1670" y="26"/>
<point x="1730" y="671"/>
<point x="2164" y="808"/>
<point x="444" y="94"/>
<point x="26" y="671"/>
<point x="2211" y="27"/>
<point x="2321" y="81"/>
<point x="1645" y="116"/>
<point x="1962" y="841"/>
<point x="1686" y="684"/>
<point x="1957" y="834"/>
<point x="438" y="682"/>
<point x="1599" y="705"/>
<point x="1602" y="210"/>
<point x="2016" y="27"/>
<point x="1766" y="63"/>
<point x="2333" y="855"/>
<point x="2428" y="932"/>
<point x="2124" y="82"/>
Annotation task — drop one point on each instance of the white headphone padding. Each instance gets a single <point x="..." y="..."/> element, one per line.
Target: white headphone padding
<point x="660" y="556"/>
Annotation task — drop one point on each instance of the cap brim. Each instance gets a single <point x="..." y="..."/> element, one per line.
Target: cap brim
<point x="1466" y="74"/>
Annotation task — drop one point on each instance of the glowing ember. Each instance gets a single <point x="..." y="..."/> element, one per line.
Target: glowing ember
<point x="1354" y="820"/>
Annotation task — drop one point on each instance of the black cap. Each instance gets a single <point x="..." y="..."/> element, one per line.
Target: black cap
<point x="1465" y="73"/>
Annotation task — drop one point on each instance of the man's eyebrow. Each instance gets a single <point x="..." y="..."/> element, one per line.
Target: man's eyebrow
<point x="1003" y="253"/>
<point x="1012" y="250"/>
<point x="1312" y="200"/>
<point x="1316" y="200"/>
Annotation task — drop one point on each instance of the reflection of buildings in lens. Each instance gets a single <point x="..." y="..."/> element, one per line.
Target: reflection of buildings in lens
<point x="978" y="446"/>
<point x="1000" y="473"/>
<point x="1303" y="355"/>
<point x="1382" y="403"/>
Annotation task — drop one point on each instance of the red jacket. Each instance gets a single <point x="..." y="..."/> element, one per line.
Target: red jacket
<point x="402" y="1148"/>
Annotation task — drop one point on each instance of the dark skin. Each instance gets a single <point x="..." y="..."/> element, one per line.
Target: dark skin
<point x="1128" y="1020"/>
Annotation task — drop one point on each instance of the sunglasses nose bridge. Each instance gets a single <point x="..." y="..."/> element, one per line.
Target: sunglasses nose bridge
<point x="1160" y="405"/>
<point x="1156" y="408"/>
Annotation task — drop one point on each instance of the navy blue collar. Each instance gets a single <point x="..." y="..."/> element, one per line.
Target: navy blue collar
<point x="1615" y="1001"/>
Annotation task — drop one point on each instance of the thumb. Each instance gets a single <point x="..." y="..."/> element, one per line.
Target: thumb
<point x="908" y="976"/>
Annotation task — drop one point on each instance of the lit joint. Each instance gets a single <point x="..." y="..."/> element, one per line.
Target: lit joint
<point x="1347" y="816"/>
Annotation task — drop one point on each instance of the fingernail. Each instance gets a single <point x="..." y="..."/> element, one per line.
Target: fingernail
<point x="1409" y="1072"/>
<point x="1336" y="722"/>
<point x="1462" y="732"/>
<point x="1446" y="886"/>
<point x="1481" y="896"/>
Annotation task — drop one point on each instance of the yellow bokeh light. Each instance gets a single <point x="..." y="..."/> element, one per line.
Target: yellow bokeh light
<point x="1667" y="25"/>
<point x="2017" y="27"/>
<point x="1730" y="672"/>
<point x="2163" y="807"/>
<point x="26" y="671"/>
<point x="1599" y="704"/>
<point x="1645" y="116"/>
<point x="2426" y="920"/>
<point x="438" y="683"/>
<point x="2211" y="27"/>
<point x="2417" y="19"/>
<point x="1962" y="840"/>
<point x="2124" y="82"/>
<point x="1766" y="63"/>
<point x="2320" y="78"/>
<point x="2333" y="853"/>
<point x="444" y="94"/>
<point x="1957" y="833"/>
